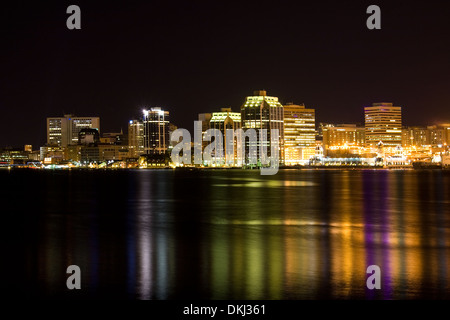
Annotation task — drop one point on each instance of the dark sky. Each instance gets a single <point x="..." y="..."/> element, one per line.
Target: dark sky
<point x="198" y="56"/>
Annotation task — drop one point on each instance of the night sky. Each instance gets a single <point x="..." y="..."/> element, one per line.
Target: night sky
<point x="199" y="56"/>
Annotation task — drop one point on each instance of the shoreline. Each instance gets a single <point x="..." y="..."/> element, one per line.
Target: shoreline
<point x="310" y="168"/>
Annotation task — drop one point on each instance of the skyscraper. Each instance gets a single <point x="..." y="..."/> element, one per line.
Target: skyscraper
<point x="223" y="120"/>
<point x="299" y="133"/>
<point x="135" y="138"/>
<point x="156" y="131"/>
<point x="261" y="111"/>
<point x="63" y="131"/>
<point x="383" y="123"/>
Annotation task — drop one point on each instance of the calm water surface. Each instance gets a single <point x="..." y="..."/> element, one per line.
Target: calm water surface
<point x="300" y="234"/>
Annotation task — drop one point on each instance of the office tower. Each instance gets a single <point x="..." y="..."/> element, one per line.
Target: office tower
<point x="223" y="120"/>
<point x="261" y="111"/>
<point x="383" y="123"/>
<point x="156" y="131"/>
<point x="299" y="133"/>
<point x="135" y="138"/>
<point x="63" y="131"/>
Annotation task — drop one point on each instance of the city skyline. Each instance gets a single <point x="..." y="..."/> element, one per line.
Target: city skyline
<point x="197" y="56"/>
<point x="148" y="143"/>
<point x="139" y="115"/>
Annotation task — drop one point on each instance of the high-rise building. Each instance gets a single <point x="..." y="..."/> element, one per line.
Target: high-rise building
<point x="261" y="111"/>
<point x="156" y="131"/>
<point x="299" y="133"/>
<point x="136" y="138"/>
<point x="383" y="123"/>
<point x="63" y="131"/>
<point x="223" y="120"/>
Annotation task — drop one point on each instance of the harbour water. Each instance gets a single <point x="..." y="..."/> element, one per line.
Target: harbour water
<point x="226" y="234"/>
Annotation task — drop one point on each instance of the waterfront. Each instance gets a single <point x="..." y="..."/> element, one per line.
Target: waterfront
<point x="226" y="234"/>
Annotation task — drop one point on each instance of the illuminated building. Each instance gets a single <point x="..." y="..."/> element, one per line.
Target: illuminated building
<point x="64" y="131"/>
<point x="111" y="152"/>
<point x="263" y="112"/>
<point x="415" y="136"/>
<point x="223" y="120"/>
<point x="447" y="133"/>
<point x="13" y="155"/>
<point x="439" y="134"/>
<point x="299" y="133"/>
<point x="343" y="136"/>
<point x="136" y="138"/>
<point x="383" y="123"/>
<point x="51" y="154"/>
<point x="89" y="153"/>
<point x="117" y="138"/>
<point x="420" y="136"/>
<point x="90" y="149"/>
<point x="156" y="131"/>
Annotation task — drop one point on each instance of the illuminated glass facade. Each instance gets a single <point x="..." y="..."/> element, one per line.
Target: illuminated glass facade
<point x="263" y="112"/>
<point x="156" y="131"/>
<point x="383" y="122"/>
